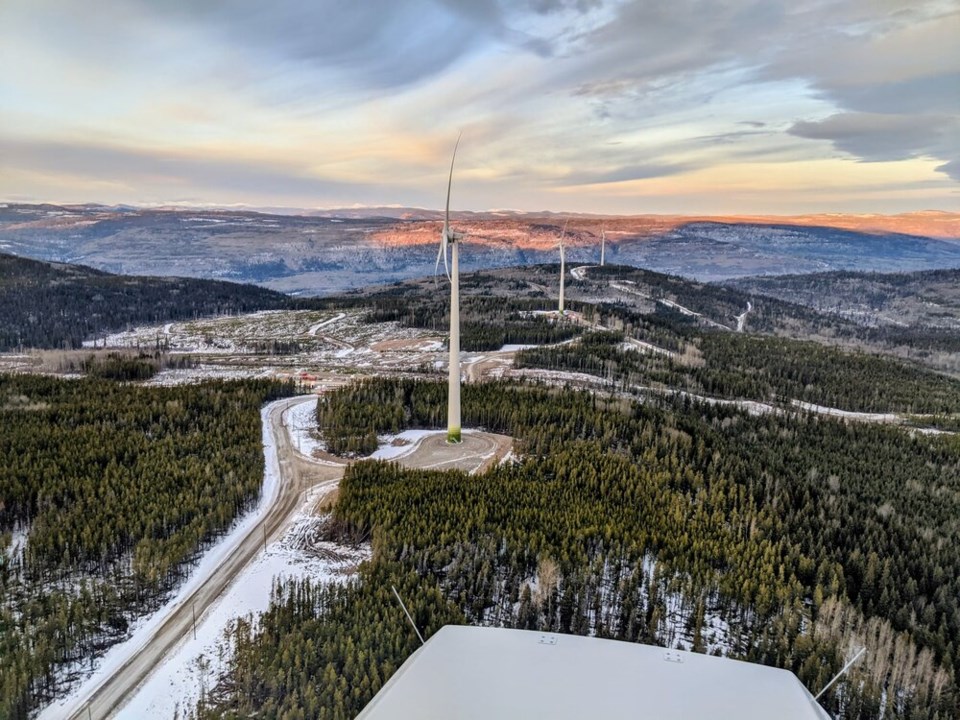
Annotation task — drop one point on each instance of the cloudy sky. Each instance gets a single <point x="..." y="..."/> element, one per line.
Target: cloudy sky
<point x="611" y="106"/>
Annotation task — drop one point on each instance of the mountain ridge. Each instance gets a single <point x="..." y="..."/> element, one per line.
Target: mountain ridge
<point x="320" y="255"/>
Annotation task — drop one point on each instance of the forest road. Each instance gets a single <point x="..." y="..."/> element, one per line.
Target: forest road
<point x="297" y="474"/>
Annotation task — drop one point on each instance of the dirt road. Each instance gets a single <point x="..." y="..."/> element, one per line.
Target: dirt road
<point x="297" y="473"/>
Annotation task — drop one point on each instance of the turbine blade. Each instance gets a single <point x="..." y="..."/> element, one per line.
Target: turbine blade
<point x="446" y="217"/>
<point x="436" y="268"/>
<point x="445" y="266"/>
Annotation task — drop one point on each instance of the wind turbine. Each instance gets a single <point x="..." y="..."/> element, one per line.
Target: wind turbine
<point x="563" y="266"/>
<point x="451" y="238"/>
<point x="603" y="246"/>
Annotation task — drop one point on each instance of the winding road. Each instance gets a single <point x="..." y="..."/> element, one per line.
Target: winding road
<point x="297" y="473"/>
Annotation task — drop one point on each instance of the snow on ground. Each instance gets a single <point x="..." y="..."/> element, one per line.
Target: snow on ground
<point x="120" y="653"/>
<point x="848" y="414"/>
<point x="690" y="313"/>
<point x="397" y="446"/>
<point x="931" y="431"/>
<point x="622" y="286"/>
<point x="193" y="666"/>
<point x="642" y="346"/>
<point x="232" y="334"/>
<point x="313" y="329"/>
<point x="18" y="541"/>
<point x="514" y="348"/>
<point x="203" y="372"/>
<point x="742" y="317"/>
<point x="301" y="423"/>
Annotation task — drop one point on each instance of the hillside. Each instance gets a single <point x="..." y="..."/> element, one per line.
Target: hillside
<point x="693" y="465"/>
<point x="324" y="252"/>
<point x="53" y="305"/>
<point x="928" y="298"/>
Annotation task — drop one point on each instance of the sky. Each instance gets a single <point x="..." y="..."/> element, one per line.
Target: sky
<point x="604" y="106"/>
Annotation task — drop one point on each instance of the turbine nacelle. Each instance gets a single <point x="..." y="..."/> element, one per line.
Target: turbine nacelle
<point x="447" y="238"/>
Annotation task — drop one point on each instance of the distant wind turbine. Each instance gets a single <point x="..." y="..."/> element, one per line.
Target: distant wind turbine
<point x="451" y="238"/>
<point x="603" y="246"/>
<point x="563" y="265"/>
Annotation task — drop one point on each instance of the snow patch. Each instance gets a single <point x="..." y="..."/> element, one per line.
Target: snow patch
<point x="326" y="323"/>
<point x="848" y="414"/>
<point x="301" y="422"/>
<point x="192" y="667"/>
<point x="397" y="446"/>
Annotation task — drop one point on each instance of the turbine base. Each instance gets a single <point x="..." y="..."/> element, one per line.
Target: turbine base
<point x="453" y="436"/>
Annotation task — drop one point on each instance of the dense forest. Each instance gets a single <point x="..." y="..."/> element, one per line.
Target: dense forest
<point x="918" y="311"/>
<point x="102" y="507"/>
<point x="843" y="289"/>
<point x="50" y="305"/>
<point x="642" y="516"/>
<point x="779" y="539"/>
<point x="487" y="322"/>
<point x="757" y="367"/>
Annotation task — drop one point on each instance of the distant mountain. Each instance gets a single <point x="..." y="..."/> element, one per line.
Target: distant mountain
<point x="325" y="251"/>
<point x="52" y="305"/>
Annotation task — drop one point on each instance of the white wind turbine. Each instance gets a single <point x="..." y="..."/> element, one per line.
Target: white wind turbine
<point x="603" y="246"/>
<point x="451" y="238"/>
<point x="563" y="265"/>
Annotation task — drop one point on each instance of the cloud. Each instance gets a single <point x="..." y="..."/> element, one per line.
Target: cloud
<point x="951" y="168"/>
<point x="895" y="78"/>
<point x="313" y="97"/>
<point x="875" y="137"/>
<point x="379" y="43"/>
<point x="174" y="173"/>
<point x="625" y="173"/>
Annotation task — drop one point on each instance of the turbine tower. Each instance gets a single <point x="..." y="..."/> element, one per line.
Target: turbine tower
<point x="451" y="238"/>
<point x="563" y="266"/>
<point x="603" y="246"/>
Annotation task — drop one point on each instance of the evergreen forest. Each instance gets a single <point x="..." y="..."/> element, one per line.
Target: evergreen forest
<point x="758" y="367"/>
<point x="108" y="491"/>
<point x="51" y="305"/>
<point x="784" y="539"/>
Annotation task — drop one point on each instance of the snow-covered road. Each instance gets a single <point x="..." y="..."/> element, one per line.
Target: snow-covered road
<point x="155" y="672"/>
<point x="127" y="664"/>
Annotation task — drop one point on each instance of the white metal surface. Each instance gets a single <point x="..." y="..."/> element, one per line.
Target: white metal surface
<point x="469" y="673"/>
